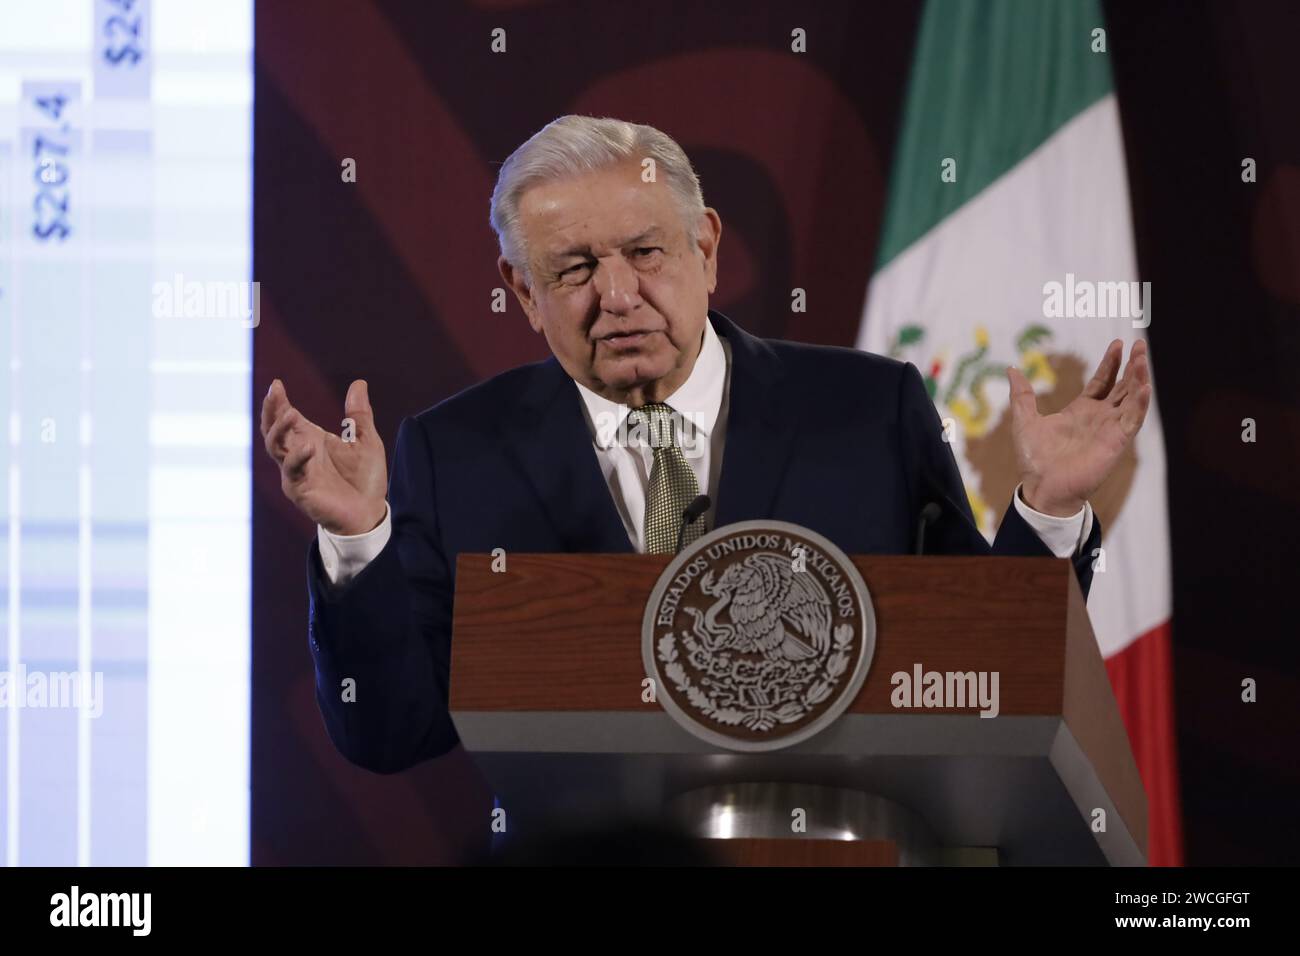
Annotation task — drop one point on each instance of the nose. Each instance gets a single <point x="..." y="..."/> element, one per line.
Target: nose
<point x="618" y="284"/>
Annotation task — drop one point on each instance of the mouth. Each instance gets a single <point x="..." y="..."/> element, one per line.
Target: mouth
<point x="625" y="340"/>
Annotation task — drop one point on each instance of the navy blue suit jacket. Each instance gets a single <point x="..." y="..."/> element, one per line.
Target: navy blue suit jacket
<point x="840" y="441"/>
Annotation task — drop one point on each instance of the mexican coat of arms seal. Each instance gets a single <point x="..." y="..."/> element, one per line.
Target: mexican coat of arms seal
<point x="758" y="635"/>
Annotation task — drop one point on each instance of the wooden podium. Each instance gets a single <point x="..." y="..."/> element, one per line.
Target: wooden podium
<point x="547" y="683"/>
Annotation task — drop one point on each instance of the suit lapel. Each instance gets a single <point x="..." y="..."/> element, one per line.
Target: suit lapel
<point x="760" y="435"/>
<point x="553" y="445"/>
<point x="550" y="439"/>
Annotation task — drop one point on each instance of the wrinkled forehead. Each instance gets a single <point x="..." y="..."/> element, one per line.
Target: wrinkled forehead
<point x="596" y="212"/>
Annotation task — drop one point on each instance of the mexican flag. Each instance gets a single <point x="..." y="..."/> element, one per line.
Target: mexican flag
<point x="1008" y="240"/>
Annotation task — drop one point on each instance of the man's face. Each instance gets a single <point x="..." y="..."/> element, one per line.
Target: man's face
<point x="618" y="289"/>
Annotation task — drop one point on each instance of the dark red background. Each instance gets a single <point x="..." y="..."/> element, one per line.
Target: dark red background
<point x="390" y="279"/>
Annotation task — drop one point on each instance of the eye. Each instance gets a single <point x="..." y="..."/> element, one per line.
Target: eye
<point x="647" y="250"/>
<point x="575" y="273"/>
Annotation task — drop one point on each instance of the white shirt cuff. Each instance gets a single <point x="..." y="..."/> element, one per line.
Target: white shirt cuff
<point x="345" y="555"/>
<point x="1063" y="536"/>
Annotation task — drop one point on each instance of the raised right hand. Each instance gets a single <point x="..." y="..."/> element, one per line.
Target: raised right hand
<point x="338" y="484"/>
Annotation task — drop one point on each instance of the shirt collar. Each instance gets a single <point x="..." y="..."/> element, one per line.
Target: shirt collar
<point x="698" y="400"/>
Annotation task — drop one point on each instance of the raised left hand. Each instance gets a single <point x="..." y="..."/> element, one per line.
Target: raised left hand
<point x="1063" y="458"/>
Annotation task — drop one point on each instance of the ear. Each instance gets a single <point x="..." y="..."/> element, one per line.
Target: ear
<point x="517" y="284"/>
<point x="709" y="228"/>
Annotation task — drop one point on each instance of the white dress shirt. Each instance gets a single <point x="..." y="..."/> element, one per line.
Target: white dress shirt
<point x="626" y="461"/>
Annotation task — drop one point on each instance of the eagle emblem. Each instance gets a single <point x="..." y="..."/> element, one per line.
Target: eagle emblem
<point x="773" y="611"/>
<point x="760" y="634"/>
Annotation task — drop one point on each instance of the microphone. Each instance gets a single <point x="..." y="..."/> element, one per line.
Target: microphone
<point x="929" y="513"/>
<point x="690" y="514"/>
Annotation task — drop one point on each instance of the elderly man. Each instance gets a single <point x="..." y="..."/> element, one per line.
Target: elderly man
<point x="649" y="401"/>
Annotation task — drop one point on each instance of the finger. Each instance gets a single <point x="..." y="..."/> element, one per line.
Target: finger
<point x="1024" y="404"/>
<point x="356" y="406"/>
<point x="1134" y="412"/>
<point x="295" y="462"/>
<point x="1136" y="374"/>
<point x="284" y="423"/>
<point x="1137" y="358"/>
<point x="273" y="404"/>
<point x="1140" y="363"/>
<point x="1103" y="380"/>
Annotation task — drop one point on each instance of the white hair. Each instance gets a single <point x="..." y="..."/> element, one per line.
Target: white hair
<point x="572" y="145"/>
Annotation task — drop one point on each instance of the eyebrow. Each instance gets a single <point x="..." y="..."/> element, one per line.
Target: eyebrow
<point x="584" y="251"/>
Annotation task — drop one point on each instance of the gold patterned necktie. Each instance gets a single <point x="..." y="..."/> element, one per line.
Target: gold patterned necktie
<point x="673" y="485"/>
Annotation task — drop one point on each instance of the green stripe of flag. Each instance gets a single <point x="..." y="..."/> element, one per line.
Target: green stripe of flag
<point x="991" y="81"/>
